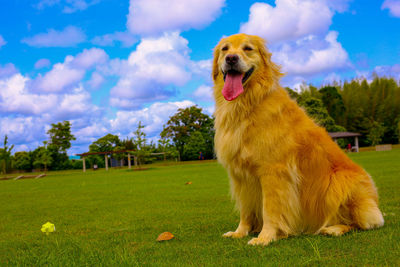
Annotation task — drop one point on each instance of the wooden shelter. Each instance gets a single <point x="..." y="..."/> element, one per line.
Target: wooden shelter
<point x="337" y="135"/>
<point x="83" y="155"/>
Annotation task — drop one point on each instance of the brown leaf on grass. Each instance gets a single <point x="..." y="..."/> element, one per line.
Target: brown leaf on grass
<point x="188" y="183"/>
<point x="165" y="236"/>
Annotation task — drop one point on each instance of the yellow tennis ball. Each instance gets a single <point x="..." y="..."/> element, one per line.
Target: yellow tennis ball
<point x="48" y="228"/>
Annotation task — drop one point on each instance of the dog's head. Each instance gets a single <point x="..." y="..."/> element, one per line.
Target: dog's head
<point x="240" y="59"/>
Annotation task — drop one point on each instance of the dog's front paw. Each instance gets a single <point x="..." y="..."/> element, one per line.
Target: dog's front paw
<point x="235" y="234"/>
<point x="260" y="241"/>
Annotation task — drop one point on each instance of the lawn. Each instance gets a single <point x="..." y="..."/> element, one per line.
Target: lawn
<point x="113" y="218"/>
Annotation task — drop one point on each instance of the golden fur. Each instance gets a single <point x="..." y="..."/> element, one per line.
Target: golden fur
<point x="287" y="175"/>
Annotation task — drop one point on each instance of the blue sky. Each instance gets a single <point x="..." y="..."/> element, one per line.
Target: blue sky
<point x="106" y="65"/>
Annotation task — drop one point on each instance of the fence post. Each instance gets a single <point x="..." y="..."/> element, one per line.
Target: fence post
<point x="357" y="143"/>
<point x="106" y="161"/>
<point x="84" y="164"/>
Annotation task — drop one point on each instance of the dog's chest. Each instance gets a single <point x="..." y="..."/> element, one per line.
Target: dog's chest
<point x="233" y="144"/>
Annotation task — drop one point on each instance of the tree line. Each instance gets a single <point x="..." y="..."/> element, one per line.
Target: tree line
<point x="188" y="135"/>
<point x="369" y="108"/>
<point x="372" y="109"/>
<point x="51" y="155"/>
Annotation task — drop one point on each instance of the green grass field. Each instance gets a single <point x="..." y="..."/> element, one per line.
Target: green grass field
<point x="113" y="218"/>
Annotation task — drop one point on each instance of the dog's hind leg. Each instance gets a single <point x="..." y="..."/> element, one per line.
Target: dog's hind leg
<point x="364" y="207"/>
<point x="361" y="210"/>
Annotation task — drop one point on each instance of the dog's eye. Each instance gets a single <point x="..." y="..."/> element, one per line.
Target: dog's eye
<point x="224" y="48"/>
<point x="247" y="48"/>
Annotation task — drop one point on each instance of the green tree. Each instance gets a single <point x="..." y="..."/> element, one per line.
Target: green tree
<point x="194" y="146"/>
<point x="186" y="121"/>
<point x="310" y="91"/>
<point x="128" y="144"/>
<point x="43" y="157"/>
<point x="105" y="143"/>
<point x="316" y="110"/>
<point x="96" y="160"/>
<point x="165" y="146"/>
<point x="77" y="164"/>
<point x="333" y="102"/>
<point x="376" y="133"/>
<point x="60" y="136"/>
<point x="60" y="141"/>
<point x="366" y="102"/>
<point x="5" y="156"/>
<point x="292" y="93"/>
<point x="23" y="161"/>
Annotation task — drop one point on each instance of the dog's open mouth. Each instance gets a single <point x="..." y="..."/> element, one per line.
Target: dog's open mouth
<point x="234" y="80"/>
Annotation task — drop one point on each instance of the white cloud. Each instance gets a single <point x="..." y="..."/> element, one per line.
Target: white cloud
<point x="202" y="68"/>
<point x="114" y="67"/>
<point x="152" y="17"/>
<point x="89" y="58"/>
<point x="60" y="77"/>
<point x="88" y="134"/>
<point x="312" y="55"/>
<point x="125" y="38"/>
<point x="291" y="19"/>
<point x="42" y="63"/>
<point x="393" y="6"/>
<point x="69" y="73"/>
<point x="75" y="103"/>
<point x="94" y="130"/>
<point x="33" y="130"/>
<point x="15" y="98"/>
<point x="70" y="36"/>
<point x="152" y="71"/>
<point x="26" y="116"/>
<point x="2" y="41"/>
<point x="204" y="92"/>
<point x="7" y="70"/>
<point x="153" y="117"/>
<point x="96" y="80"/>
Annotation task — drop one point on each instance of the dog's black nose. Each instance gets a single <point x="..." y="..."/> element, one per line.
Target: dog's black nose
<point x="232" y="59"/>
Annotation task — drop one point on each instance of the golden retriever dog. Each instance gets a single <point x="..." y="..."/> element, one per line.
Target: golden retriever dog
<point x="287" y="175"/>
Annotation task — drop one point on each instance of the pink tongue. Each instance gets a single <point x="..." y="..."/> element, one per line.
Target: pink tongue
<point x="233" y="86"/>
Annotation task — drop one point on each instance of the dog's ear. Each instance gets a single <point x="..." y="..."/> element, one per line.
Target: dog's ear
<point x="266" y="57"/>
<point x="215" y="69"/>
